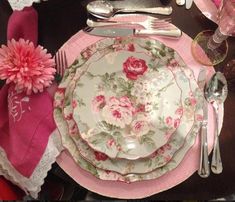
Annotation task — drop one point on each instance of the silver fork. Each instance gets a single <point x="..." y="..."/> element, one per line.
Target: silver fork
<point x="149" y="23"/>
<point x="61" y="62"/>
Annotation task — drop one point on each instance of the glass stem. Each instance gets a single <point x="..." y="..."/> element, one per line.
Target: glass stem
<point x="216" y="40"/>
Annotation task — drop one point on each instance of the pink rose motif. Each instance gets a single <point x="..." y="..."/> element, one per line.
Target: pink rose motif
<point x="169" y="121"/>
<point x="118" y="111"/>
<point x="58" y="103"/>
<point x="69" y="117"/>
<point x="119" y="45"/>
<point x="133" y="67"/>
<point x="98" y="103"/>
<point x="127" y="47"/>
<point x="99" y="156"/>
<point x="160" y="151"/>
<point x="199" y="117"/>
<point x="140" y="126"/>
<point x="140" y="108"/>
<point x="176" y="123"/>
<point x="172" y="64"/>
<point x="167" y="158"/>
<point x="179" y="111"/>
<point x="119" y="148"/>
<point x="73" y="130"/>
<point x="110" y="142"/>
<point x="130" y="47"/>
<point x="74" y="104"/>
<point x="153" y="155"/>
<point x="60" y="91"/>
<point x="88" y="52"/>
<point x="167" y="147"/>
<point x="193" y="101"/>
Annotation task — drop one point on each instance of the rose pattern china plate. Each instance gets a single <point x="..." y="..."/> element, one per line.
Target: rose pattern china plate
<point x="126" y="103"/>
<point x="182" y="143"/>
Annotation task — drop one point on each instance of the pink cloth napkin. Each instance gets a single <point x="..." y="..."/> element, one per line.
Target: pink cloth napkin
<point x="23" y="24"/>
<point x="217" y="3"/>
<point x="26" y="122"/>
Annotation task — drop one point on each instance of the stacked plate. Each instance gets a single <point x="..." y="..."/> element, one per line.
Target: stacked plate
<point x="128" y="109"/>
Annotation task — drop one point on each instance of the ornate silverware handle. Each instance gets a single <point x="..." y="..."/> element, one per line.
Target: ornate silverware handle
<point x="216" y="164"/>
<point x="204" y="170"/>
<point x="180" y="2"/>
<point x="156" y="10"/>
<point x="176" y="33"/>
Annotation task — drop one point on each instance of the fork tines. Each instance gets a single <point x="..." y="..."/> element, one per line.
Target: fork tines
<point x="163" y="23"/>
<point x="61" y="62"/>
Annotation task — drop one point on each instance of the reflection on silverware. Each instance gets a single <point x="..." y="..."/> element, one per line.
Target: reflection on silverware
<point x="104" y="10"/>
<point x="216" y="93"/>
<point x="118" y="32"/>
<point x="203" y="170"/>
<point x="180" y="2"/>
<point x="149" y="23"/>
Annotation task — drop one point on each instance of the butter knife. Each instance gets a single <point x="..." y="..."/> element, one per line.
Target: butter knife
<point x="119" y="32"/>
<point x="204" y="170"/>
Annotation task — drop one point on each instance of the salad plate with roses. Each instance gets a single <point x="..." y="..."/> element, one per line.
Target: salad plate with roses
<point x="127" y="104"/>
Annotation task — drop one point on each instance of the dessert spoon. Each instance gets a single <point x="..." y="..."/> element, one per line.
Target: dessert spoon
<point x="216" y="93"/>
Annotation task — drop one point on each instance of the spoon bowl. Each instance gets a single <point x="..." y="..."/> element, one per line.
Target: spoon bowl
<point x="100" y="9"/>
<point x="216" y="93"/>
<point x="104" y="10"/>
<point x="216" y="89"/>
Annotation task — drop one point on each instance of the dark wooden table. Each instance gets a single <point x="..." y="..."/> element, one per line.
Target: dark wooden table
<point x="60" y="19"/>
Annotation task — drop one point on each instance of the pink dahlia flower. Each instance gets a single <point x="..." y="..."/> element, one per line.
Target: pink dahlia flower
<point x="30" y="69"/>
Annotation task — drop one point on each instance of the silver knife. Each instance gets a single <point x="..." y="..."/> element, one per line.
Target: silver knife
<point x="204" y="170"/>
<point x="188" y="4"/>
<point x="119" y="32"/>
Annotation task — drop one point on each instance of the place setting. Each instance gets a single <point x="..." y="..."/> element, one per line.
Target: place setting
<point x="136" y="106"/>
<point x="118" y="117"/>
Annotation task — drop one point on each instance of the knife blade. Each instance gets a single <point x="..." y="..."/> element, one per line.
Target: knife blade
<point x="204" y="170"/>
<point x="188" y="4"/>
<point x="119" y="32"/>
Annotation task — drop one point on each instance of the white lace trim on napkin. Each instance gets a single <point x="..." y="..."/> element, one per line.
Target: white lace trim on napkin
<point x="20" y="4"/>
<point x="33" y="184"/>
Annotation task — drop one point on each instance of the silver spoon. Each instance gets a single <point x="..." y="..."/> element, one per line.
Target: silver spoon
<point x="104" y="10"/>
<point x="216" y="93"/>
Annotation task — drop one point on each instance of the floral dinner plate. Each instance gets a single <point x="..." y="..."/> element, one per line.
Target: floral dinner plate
<point x="161" y="156"/>
<point x="127" y="102"/>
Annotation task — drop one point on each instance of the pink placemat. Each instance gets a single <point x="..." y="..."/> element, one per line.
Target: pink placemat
<point x="208" y="8"/>
<point x="142" y="189"/>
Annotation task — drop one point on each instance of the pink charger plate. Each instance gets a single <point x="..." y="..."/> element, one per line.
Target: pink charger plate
<point x="141" y="189"/>
<point x="208" y="8"/>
